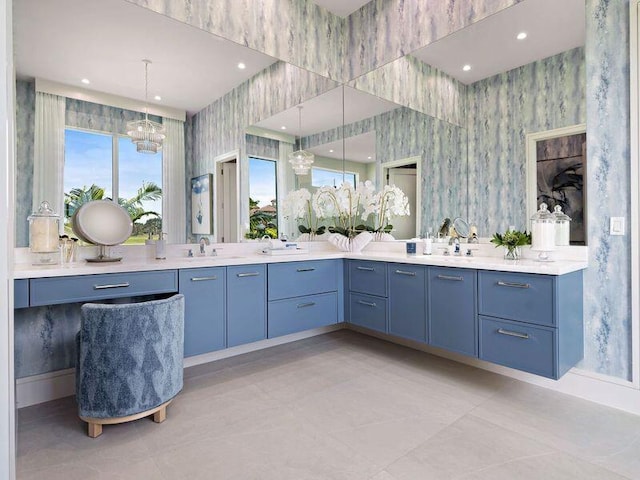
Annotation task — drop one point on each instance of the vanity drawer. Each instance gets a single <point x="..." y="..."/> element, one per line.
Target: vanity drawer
<point x="368" y="277"/>
<point x="367" y="311"/>
<point x="518" y="345"/>
<point x="295" y="279"/>
<point x="86" y="288"/>
<point x="302" y="313"/>
<point x="517" y="296"/>
<point x="21" y="293"/>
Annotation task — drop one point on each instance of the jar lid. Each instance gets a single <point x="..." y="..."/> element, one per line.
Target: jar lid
<point x="543" y="215"/>
<point x="45" y="210"/>
<point x="560" y="215"/>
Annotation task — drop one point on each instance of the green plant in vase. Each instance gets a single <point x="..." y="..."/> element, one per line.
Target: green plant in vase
<point x="511" y="240"/>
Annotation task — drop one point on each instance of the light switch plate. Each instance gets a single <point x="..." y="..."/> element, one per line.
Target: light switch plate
<point x="616" y="226"/>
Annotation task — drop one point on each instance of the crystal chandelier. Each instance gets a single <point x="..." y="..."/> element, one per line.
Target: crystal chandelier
<point x="301" y="160"/>
<point x="146" y="134"/>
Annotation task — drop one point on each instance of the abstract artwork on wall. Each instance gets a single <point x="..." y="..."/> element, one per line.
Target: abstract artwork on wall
<point x="561" y="164"/>
<point x="201" y="206"/>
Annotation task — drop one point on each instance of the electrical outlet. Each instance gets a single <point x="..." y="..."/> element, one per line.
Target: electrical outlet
<point x="616" y="226"/>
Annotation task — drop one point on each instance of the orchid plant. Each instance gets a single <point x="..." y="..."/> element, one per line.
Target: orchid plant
<point x="297" y="205"/>
<point x="384" y="205"/>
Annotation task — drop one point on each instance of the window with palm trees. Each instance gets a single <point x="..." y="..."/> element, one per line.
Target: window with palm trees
<point x="102" y="166"/>
<point x="263" y="206"/>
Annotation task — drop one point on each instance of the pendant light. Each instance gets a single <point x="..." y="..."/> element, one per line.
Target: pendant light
<point x="301" y="160"/>
<point x="146" y="134"/>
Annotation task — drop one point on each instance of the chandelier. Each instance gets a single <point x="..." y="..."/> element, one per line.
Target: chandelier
<point x="301" y="160"/>
<point x="146" y="134"/>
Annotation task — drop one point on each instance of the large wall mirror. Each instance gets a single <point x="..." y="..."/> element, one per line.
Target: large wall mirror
<point x="458" y="137"/>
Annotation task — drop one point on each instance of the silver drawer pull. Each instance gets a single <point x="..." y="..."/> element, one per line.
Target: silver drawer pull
<point x="450" y="277"/>
<point x="305" y="269"/>
<point x="510" y="333"/>
<point x="303" y="305"/>
<point x="368" y="304"/>
<point x="402" y="272"/>
<point x="366" y="269"/>
<point x="203" y="279"/>
<point x="513" y="285"/>
<point x="114" y="285"/>
<point x="248" y="274"/>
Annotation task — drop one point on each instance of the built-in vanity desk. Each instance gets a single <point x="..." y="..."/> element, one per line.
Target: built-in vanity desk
<point x="524" y="315"/>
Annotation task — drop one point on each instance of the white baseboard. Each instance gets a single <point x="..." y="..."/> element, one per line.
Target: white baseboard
<point x="62" y="383"/>
<point x="609" y="391"/>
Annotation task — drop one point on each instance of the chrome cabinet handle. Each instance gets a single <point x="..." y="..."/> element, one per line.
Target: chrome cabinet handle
<point x="114" y="285"/>
<point x="368" y="304"/>
<point x="248" y="274"/>
<point x="510" y="333"/>
<point x="366" y="269"/>
<point x="203" y="279"/>
<point x="450" y="277"/>
<point x="402" y="272"/>
<point x="305" y="270"/>
<point x="303" y="305"/>
<point x="513" y="285"/>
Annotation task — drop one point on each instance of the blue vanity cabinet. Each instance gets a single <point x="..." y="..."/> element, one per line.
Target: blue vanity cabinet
<point x="246" y="304"/>
<point x="452" y="309"/>
<point x="303" y="295"/>
<point x="367" y="302"/>
<point x="204" y="309"/>
<point x="407" y="301"/>
<point x="21" y="293"/>
<point x="531" y="322"/>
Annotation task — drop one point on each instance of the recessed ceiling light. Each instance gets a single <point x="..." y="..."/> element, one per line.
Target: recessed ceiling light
<point x="331" y="150"/>
<point x="522" y="35"/>
<point x="283" y="127"/>
<point x="466" y="68"/>
<point x="242" y="66"/>
<point x="368" y="158"/>
<point x="85" y="81"/>
<point x="157" y="97"/>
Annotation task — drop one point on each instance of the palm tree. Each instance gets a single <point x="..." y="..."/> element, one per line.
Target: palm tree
<point x="134" y="207"/>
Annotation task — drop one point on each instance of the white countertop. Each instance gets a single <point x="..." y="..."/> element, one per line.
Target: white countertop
<point x="177" y="260"/>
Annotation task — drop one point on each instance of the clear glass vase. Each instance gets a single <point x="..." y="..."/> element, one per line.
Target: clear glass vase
<point x="512" y="253"/>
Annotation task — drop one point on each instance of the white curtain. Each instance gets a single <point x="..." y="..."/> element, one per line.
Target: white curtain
<point x="48" y="161"/>
<point x="174" y="205"/>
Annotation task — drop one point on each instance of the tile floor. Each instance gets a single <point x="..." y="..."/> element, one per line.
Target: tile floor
<point x="341" y="406"/>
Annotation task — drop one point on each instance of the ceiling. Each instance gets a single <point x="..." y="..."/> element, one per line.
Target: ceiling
<point x="490" y="46"/>
<point x="105" y="40"/>
<point x="359" y="148"/>
<point x="342" y="8"/>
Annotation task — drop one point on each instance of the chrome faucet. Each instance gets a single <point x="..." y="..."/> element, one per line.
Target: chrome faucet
<point x="456" y="242"/>
<point x="203" y="243"/>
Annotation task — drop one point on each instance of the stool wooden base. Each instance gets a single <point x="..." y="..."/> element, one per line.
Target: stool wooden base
<point x="94" y="425"/>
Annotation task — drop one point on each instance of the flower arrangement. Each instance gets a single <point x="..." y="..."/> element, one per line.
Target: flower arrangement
<point x="297" y="205"/>
<point x="350" y="207"/>
<point x="512" y="240"/>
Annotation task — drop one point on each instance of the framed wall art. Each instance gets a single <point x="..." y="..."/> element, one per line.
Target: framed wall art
<point x="201" y="205"/>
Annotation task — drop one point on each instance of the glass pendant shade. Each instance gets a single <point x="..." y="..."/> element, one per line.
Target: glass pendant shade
<point x="146" y="134"/>
<point x="301" y="160"/>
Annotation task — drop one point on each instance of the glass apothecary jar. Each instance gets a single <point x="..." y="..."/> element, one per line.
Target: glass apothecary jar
<point x="43" y="235"/>
<point x="562" y="226"/>
<point x="543" y="232"/>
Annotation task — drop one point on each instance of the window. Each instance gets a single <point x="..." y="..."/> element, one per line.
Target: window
<point x="91" y="158"/>
<point x="322" y="176"/>
<point x="263" y="208"/>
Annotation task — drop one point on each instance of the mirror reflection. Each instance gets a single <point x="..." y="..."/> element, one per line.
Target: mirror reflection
<point x="423" y="122"/>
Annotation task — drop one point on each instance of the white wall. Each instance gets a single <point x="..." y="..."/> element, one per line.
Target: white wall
<point x="7" y="144"/>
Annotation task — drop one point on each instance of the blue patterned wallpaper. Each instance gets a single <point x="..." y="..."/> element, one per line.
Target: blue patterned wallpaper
<point x="25" y="131"/>
<point x="608" y="279"/>
<point x="502" y="110"/>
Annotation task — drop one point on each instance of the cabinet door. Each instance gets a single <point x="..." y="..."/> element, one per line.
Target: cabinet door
<point x="21" y="293"/>
<point x="452" y="315"/>
<point x="204" y="309"/>
<point x="368" y="277"/>
<point x="368" y="311"/>
<point x="407" y="305"/>
<point x="246" y="304"/>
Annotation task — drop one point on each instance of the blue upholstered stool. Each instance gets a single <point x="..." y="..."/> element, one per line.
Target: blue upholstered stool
<point x="129" y="362"/>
